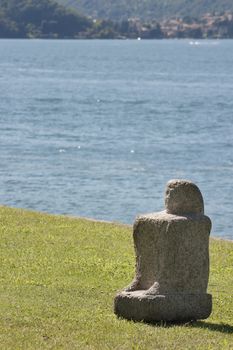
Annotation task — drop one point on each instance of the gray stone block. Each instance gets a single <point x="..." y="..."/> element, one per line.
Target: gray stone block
<point x="172" y="260"/>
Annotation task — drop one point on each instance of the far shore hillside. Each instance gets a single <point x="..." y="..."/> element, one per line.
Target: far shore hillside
<point x="48" y="19"/>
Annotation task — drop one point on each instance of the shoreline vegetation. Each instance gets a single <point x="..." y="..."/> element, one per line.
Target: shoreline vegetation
<point x="47" y="19"/>
<point x="59" y="276"/>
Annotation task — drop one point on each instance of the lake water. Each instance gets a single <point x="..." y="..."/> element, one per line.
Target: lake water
<point x="96" y="128"/>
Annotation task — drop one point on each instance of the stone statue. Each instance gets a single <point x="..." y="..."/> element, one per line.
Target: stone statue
<point x="172" y="260"/>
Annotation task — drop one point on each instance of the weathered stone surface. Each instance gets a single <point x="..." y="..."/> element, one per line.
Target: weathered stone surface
<point x="183" y="197"/>
<point x="172" y="307"/>
<point x="172" y="260"/>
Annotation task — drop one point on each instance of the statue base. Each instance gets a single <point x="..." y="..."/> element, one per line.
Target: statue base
<point x="180" y="307"/>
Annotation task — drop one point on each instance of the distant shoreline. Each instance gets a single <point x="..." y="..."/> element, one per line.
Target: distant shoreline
<point x="49" y="20"/>
<point x="122" y="39"/>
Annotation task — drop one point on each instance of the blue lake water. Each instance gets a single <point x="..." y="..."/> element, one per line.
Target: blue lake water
<point x="97" y="128"/>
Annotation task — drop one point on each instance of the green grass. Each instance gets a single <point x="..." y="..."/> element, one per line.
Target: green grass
<point x="58" y="279"/>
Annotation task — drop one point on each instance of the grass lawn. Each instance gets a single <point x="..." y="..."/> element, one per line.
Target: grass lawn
<point x="58" y="279"/>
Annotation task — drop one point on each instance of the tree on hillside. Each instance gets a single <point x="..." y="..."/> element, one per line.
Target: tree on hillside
<point x="147" y="9"/>
<point x="8" y="28"/>
<point x="44" y="17"/>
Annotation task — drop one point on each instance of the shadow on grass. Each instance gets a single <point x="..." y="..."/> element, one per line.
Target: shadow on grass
<point x="215" y="327"/>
